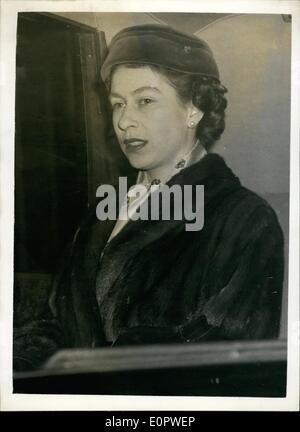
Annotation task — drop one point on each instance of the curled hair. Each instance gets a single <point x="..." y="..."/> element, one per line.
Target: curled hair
<point x="206" y="94"/>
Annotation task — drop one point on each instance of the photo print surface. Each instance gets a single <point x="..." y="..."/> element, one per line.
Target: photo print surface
<point x="152" y="155"/>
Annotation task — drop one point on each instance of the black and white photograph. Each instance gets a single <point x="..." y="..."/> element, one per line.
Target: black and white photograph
<point x="151" y="158"/>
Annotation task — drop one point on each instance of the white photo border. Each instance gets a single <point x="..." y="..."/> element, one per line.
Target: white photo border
<point x="21" y="402"/>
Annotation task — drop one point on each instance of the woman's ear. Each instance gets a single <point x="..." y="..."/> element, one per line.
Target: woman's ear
<point x="194" y="116"/>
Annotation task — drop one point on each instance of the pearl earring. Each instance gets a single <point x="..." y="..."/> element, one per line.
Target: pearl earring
<point x="192" y="124"/>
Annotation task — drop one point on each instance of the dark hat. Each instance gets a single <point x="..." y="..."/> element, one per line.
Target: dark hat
<point x="160" y="45"/>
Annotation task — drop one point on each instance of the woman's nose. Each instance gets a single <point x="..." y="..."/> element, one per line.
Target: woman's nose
<point x="127" y="119"/>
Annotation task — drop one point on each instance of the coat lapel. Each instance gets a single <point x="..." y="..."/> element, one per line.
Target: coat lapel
<point x="136" y="235"/>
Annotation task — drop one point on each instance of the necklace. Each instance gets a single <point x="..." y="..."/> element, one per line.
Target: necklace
<point x="143" y="179"/>
<point x="178" y="167"/>
<point x="143" y="176"/>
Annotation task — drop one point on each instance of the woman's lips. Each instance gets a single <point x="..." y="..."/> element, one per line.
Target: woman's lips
<point x="134" y="144"/>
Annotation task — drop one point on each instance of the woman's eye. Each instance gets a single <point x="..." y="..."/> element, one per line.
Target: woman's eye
<point x="118" y="105"/>
<point x="146" y="101"/>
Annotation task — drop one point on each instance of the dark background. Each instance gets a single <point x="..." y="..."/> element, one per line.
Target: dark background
<point x="64" y="148"/>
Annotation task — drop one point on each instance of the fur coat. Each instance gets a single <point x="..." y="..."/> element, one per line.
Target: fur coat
<point x="155" y="282"/>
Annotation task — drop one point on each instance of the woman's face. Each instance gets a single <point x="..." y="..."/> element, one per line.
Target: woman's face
<point x="150" y="122"/>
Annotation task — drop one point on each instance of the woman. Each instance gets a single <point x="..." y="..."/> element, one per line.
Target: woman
<point x="152" y="281"/>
